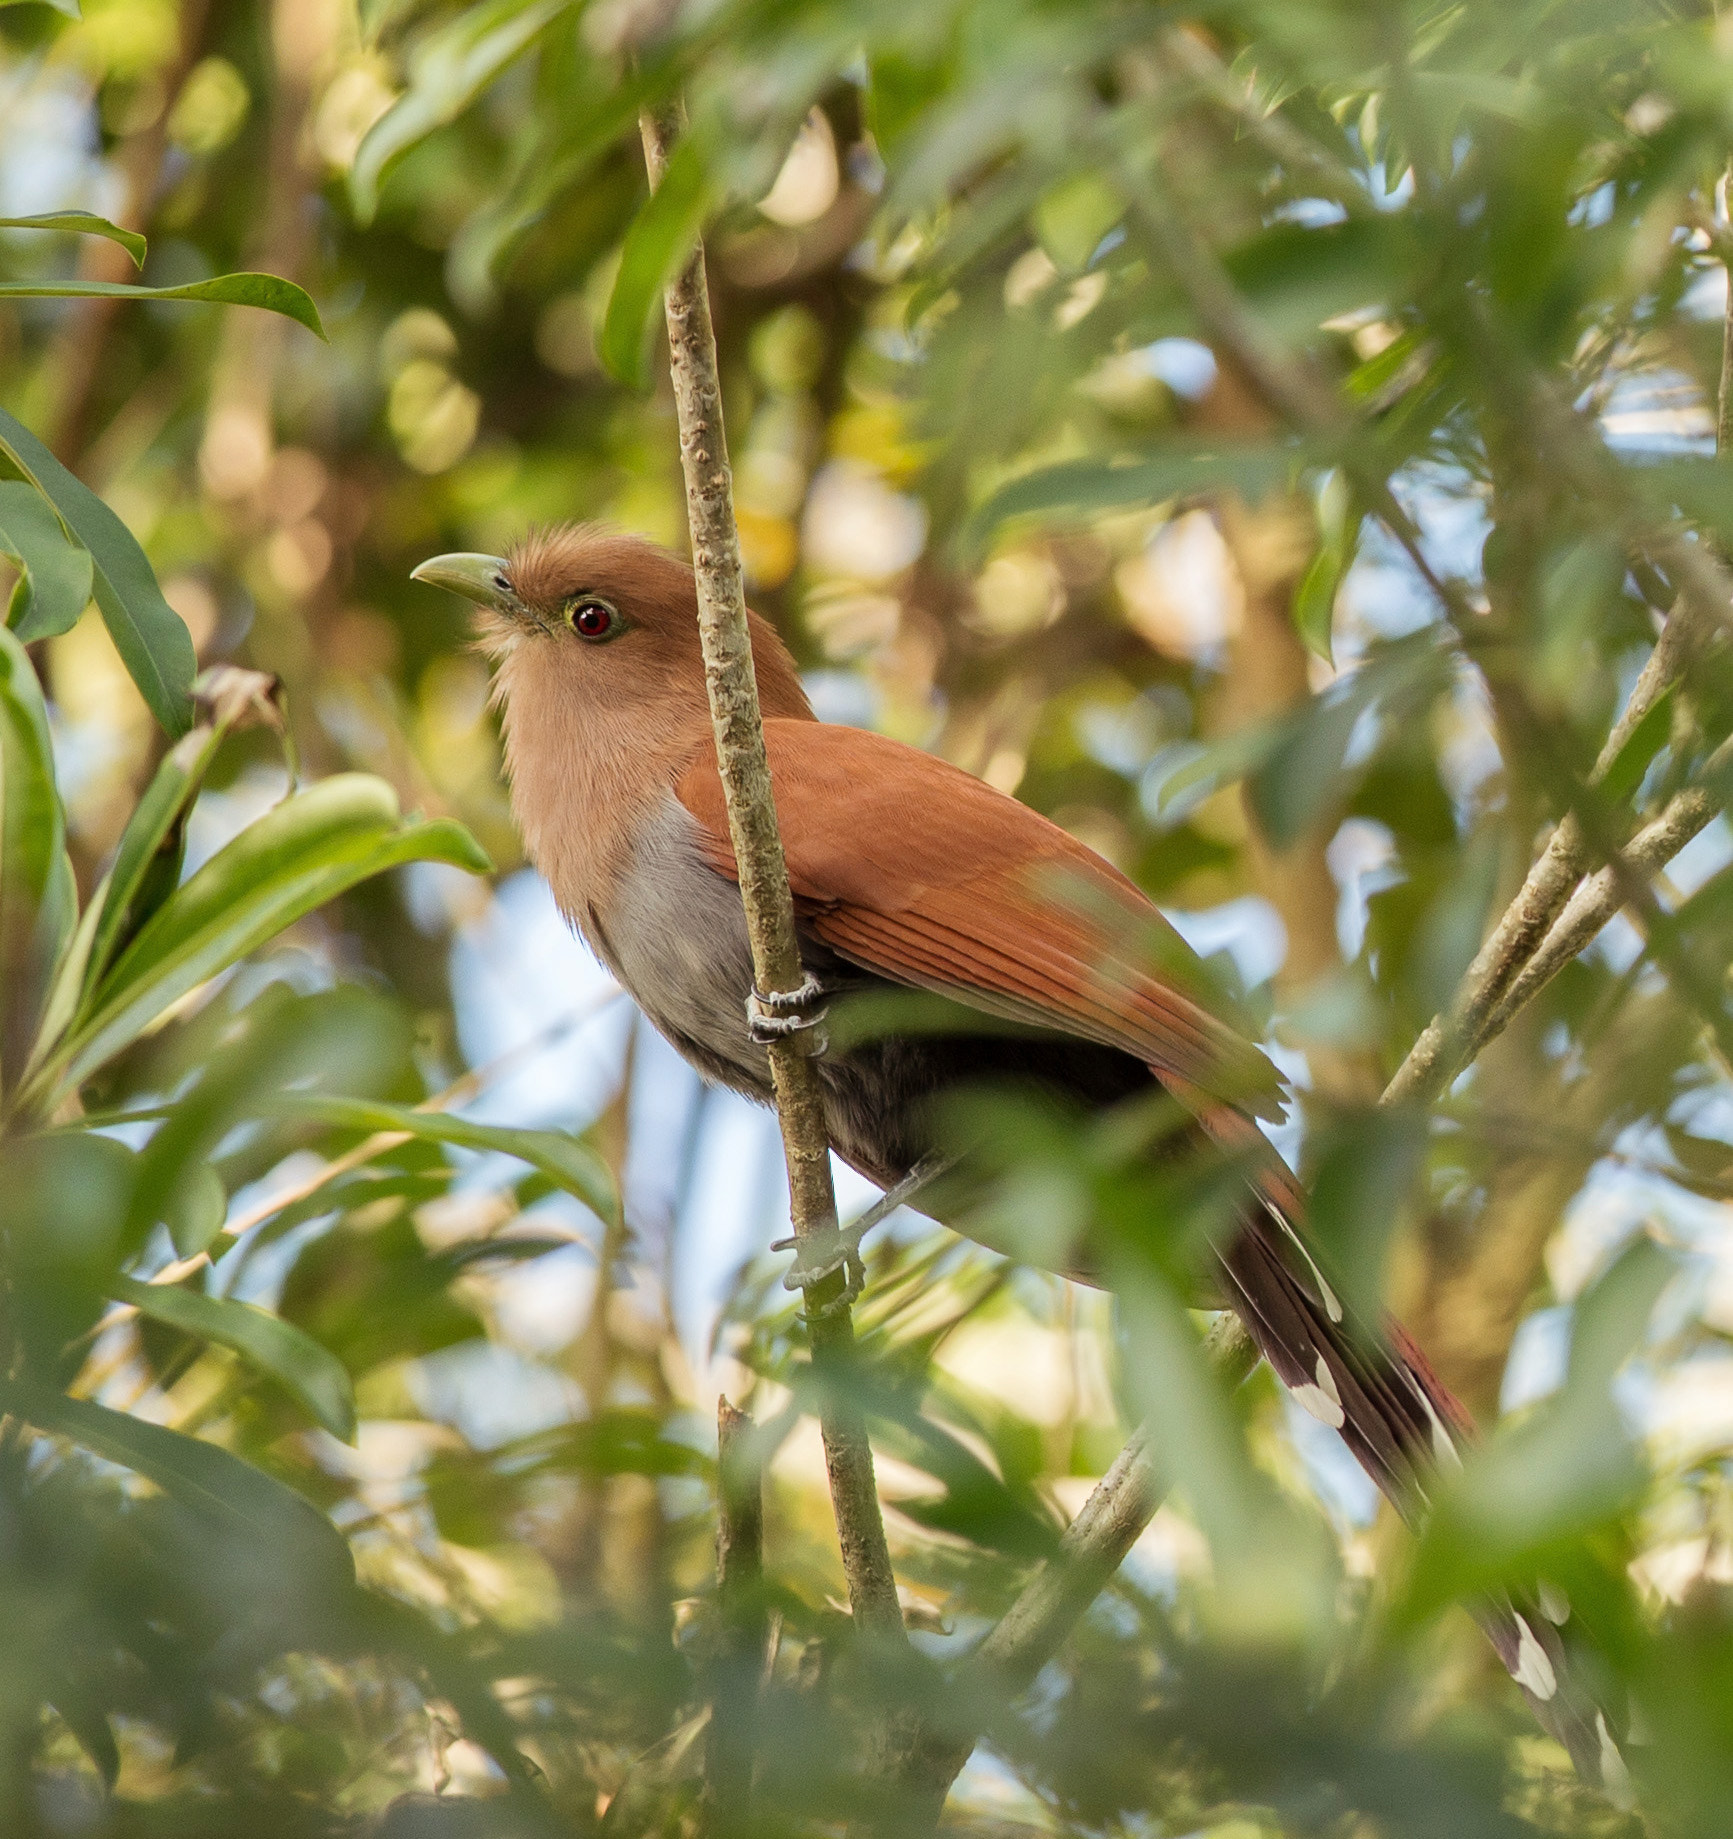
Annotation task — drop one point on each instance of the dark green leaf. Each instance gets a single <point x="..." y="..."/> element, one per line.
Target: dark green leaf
<point x="1633" y="760"/>
<point x="310" y="1374"/>
<point x="149" y="635"/>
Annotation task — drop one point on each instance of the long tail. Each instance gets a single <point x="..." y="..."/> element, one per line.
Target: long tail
<point x="1401" y="1423"/>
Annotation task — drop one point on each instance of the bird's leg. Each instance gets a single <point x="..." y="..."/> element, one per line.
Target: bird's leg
<point x="784" y="1015"/>
<point x="819" y="1254"/>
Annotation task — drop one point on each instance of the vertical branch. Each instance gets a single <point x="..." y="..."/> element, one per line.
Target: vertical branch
<point x="740" y="1597"/>
<point x="776" y="965"/>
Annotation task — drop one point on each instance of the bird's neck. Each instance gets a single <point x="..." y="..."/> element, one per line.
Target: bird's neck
<point x="585" y="777"/>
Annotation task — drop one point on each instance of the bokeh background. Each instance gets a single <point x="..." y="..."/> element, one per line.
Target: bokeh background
<point x="928" y="290"/>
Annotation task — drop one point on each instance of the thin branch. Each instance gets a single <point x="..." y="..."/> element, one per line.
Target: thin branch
<point x="1031" y="1631"/>
<point x="744" y="1629"/>
<point x="776" y="964"/>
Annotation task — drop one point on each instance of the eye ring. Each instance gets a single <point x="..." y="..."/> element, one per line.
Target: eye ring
<point x="592" y="619"/>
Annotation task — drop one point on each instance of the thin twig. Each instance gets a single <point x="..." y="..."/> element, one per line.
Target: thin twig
<point x="776" y="963"/>
<point x="744" y="1632"/>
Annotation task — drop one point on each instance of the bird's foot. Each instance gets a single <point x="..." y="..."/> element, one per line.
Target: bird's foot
<point x="837" y="1248"/>
<point x="787" y="1015"/>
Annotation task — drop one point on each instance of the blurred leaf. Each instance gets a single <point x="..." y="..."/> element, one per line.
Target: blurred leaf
<point x="302" y="853"/>
<point x="311" y="1375"/>
<point x="84" y="1716"/>
<point x="1556" y="1474"/>
<point x="1338" y="534"/>
<point x="1365" y="1175"/>
<point x="1645" y="740"/>
<point x="1149" y="478"/>
<point x="38" y="902"/>
<point x="341" y="1037"/>
<point x="54" y="585"/>
<point x="1074" y="216"/>
<point x="270" y="292"/>
<point x="290" y="1544"/>
<point x="149" y="635"/>
<point x="68" y="7"/>
<point x="571" y="1165"/>
<point x="448" y="70"/>
<point x="660" y="239"/>
<point x="195" y="1210"/>
<point x="83" y="223"/>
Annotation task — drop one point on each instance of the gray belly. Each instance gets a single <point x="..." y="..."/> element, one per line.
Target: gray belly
<point x="675" y="936"/>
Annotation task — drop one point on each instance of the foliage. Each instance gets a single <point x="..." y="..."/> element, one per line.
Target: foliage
<point x="1268" y="443"/>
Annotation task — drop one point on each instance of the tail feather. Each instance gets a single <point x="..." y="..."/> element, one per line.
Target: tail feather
<point x="1400" y="1422"/>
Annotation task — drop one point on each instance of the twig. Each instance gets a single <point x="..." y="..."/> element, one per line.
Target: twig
<point x="1092" y="1548"/>
<point x="764" y="891"/>
<point x="1448" y="1041"/>
<point x="744" y="1629"/>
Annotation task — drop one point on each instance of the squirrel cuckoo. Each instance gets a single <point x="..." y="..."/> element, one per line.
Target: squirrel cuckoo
<point x="910" y="874"/>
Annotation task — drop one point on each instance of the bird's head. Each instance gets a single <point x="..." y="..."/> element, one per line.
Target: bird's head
<point x="605" y="616"/>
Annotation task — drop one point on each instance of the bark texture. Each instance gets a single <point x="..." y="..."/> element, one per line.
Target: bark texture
<point x="777" y="969"/>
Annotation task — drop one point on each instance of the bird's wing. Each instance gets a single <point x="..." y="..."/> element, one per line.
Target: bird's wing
<point x="921" y="874"/>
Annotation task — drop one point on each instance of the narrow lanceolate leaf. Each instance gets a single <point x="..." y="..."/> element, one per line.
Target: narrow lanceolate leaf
<point x="55" y="579"/>
<point x="294" y="1545"/>
<point x="565" y="1161"/>
<point x="313" y="1376"/>
<point x="38" y="902"/>
<point x="660" y="239"/>
<point x="304" y="852"/>
<point x="271" y="292"/>
<point x="82" y="223"/>
<point x="1084" y="487"/>
<point x="448" y="71"/>
<point x="149" y="634"/>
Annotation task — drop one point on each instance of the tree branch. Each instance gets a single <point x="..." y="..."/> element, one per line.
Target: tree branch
<point x="764" y="891"/>
<point x="743" y="1633"/>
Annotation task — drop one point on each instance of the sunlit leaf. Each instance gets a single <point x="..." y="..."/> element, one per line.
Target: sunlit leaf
<point x="568" y="1163"/>
<point x="310" y="848"/>
<point x="270" y="292"/>
<point x="84" y="223"/>
<point x="314" y="1377"/>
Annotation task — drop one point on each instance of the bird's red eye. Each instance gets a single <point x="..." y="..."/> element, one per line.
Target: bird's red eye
<point x="592" y="619"/>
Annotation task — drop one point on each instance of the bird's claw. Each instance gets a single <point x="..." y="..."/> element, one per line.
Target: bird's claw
<point x="787" y="1015"/>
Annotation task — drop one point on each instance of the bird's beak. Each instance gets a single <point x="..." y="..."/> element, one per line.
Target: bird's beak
<point x="482" y="579"/>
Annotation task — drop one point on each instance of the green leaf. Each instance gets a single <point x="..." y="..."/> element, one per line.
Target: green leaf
<point x="286" y="1538"/>
<point x="38" y="901"/>
<point x="566" y="1162"/>
<point x="196" y="1210"/>
<point x="302" y="853"/>
<point x="68" y="7"/>
<point x="82" y="223"/>
<point x="661" y="237"/>
<point x="313" y="1376"/>
<point x="1632" y="761"/>
<point x="270" y="292"/>
<point x="449" y="69"/>
<point x="54" y="585"/>
<point x="148" y="633"/>
<point x="1077" y="488"/>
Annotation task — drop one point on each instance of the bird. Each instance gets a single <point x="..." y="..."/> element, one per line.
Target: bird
<point x="910" y="875"/>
